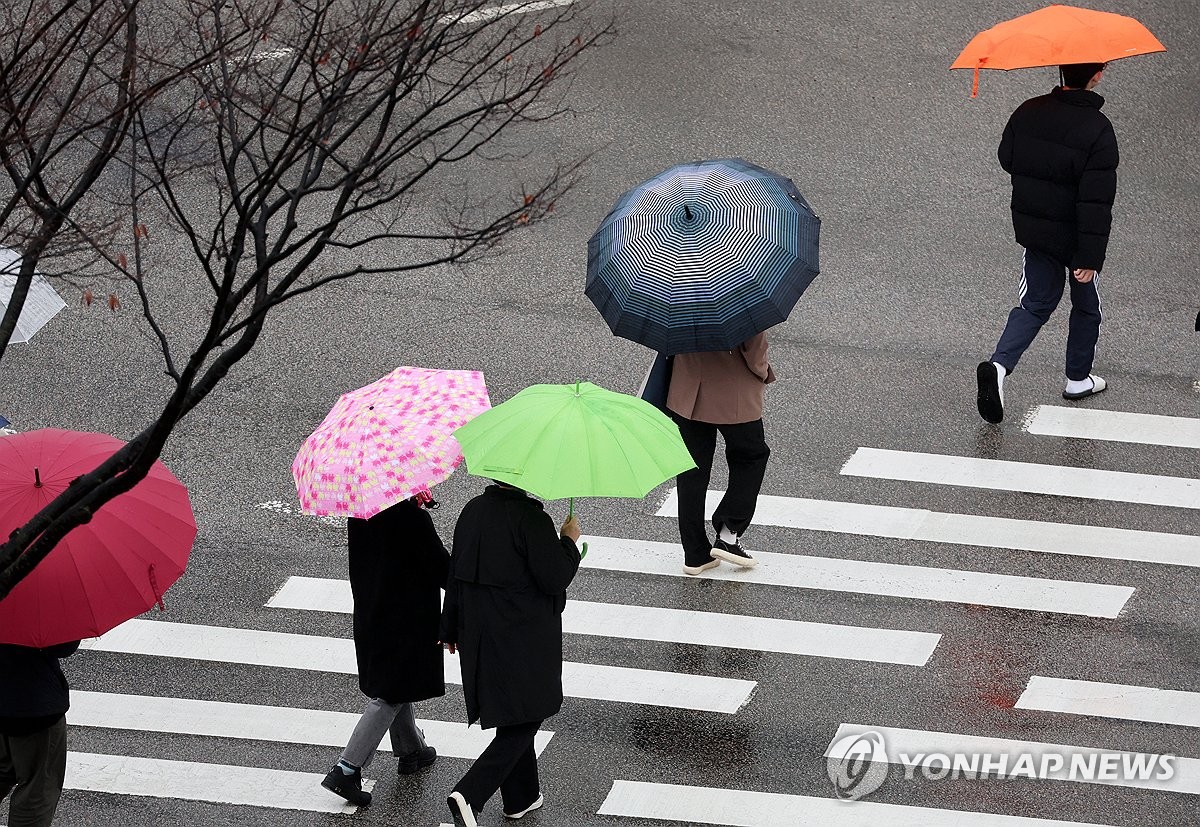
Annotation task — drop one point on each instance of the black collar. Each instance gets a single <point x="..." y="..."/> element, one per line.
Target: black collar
<point x="1078" y="97"/>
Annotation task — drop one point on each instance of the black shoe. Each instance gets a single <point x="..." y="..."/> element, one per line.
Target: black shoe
<point x="991" y="403"/>
<point x="415" y="761"/>
<point x="348" y="787"/>
<point x="464" y="814"/>
<point x="732" y="553"/>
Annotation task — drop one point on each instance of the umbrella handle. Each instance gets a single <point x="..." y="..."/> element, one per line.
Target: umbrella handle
<point x="570" y="514"/>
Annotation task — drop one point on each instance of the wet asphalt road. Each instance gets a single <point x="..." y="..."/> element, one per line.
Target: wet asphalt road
<point x="853" y="102"/>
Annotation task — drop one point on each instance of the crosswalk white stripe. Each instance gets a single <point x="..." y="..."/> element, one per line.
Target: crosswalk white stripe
<point x="912" y="747"/>
<point x="745" y="808"/>
<point x="217" y="783"/>
<point x="964" y="529"/>
<point x="1114" y="426"/>
<point x="1112" y="700"/>
<point x="492" y="12"/>
<point x="255" y="722"/>
<point x="859" y="577"/>
<point x="678" y="626"/>
<point x="1029" y="477"/>
<point x="327" y="654"/>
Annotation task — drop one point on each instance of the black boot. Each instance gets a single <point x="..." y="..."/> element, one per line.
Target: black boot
<point x="415" y="761"/>
<point x="348" y="787"/>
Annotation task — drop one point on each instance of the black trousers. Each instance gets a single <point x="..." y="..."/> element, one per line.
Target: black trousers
<point x="508" y="764"/>
<point x="1042" y="283"/>
<point x="747" y="452"/>
<point x="35" y="765"/>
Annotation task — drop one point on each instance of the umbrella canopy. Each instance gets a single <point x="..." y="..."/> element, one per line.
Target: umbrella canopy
<point x="703" y="257"/>
<point x="387" y="441"/>
<point x="1056" y="36"/>
<point x="579" y="440"/>
<point x="104" y="572"/>
<point x="41" y="303"/>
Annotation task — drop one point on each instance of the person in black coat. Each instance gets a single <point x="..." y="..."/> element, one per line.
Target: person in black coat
<point x="1061" y="152"/>
<point x="398" y="566"/>
<point x="509" y="574"/>
<point x="34" y="698"/>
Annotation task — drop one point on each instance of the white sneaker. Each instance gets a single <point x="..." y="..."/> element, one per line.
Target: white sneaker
<point x="694" y="570"/>
<point x="536" y="805"/>
<point x="1096" y="384"/>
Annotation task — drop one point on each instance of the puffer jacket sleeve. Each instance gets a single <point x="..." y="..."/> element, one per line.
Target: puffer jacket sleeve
<point x="1093" y="206"/>
<point x="1005" y="152"/>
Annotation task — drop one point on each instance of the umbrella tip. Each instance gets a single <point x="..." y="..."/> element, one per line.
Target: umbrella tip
<point x="37" y="477"/>
<point x="687" y="213"/>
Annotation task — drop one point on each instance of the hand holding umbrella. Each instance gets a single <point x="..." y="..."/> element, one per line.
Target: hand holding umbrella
<point x="577" y="440"/>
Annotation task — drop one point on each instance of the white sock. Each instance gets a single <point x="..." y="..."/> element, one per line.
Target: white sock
<point x="1000" y="374"/>
<point x="1080" y="385"/>
<point x="728" y="536"/>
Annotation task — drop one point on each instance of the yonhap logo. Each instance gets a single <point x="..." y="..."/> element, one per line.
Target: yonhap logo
<point x="857" y="765"/>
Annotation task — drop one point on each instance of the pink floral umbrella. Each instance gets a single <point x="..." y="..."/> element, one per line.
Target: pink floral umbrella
<point x="387" y="441"/>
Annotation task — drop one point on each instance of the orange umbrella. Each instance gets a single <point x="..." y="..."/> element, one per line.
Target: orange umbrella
<point x="1054" y="36"/>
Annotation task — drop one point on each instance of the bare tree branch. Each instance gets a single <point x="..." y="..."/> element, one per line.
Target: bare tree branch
<point x="312" y="127"/>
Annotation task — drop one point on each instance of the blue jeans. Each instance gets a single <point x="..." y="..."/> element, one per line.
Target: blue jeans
<point x="1042" y="280"/>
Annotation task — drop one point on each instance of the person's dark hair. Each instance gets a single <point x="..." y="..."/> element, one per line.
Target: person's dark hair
<point x="1077" y="75"/>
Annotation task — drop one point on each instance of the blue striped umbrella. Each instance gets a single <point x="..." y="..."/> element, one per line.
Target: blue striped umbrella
<point x="703" y="257"/>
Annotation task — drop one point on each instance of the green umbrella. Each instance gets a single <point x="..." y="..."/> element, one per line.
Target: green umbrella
<point x="579" y="440"/>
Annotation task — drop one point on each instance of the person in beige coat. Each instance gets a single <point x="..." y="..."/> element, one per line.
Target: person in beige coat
<point x="710" y="393"/>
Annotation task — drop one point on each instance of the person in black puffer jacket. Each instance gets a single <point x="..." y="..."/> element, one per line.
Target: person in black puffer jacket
<point x="1061" y="152"/>
<point x="33" y="731"/>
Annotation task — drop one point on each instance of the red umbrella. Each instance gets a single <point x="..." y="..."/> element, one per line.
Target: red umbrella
<point x="103" y="572"/>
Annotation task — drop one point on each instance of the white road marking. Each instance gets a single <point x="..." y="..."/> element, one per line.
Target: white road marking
<point x="859" y="577"/>
<point x="1112" y="700"/>
<point x="745" y="808"/>
<point x="217" y="783"/>
<point x="1030" y="477"/>
<point x="492" y="12"/>
<point x="678" y="626"/>
<point x="280" y="507"/>
<point x="327" y="654"/>
<point x="913" y="747"/>
<point x="259" y="723"/>
<point x="964" y="529"/>
<point x="1114" y="426"/>
<point x="478" y="16"/>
